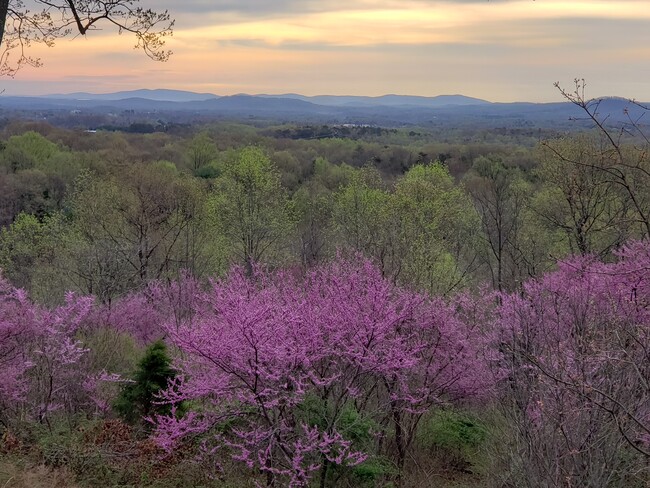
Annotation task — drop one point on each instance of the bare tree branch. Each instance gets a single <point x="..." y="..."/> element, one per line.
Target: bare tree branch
<point x="626" y="168"/>
<point x="20" y="26"/>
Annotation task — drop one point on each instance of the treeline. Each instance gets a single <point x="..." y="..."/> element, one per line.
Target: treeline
<point x="104" y="213"/>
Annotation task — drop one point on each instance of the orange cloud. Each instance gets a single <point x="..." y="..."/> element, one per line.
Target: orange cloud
<point x="495" y="50"/>
<point x="411" y="23"/>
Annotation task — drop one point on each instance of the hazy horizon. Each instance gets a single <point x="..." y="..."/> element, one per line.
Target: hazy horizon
<point x="286" y="93"/>
<point x="498" y="50"/>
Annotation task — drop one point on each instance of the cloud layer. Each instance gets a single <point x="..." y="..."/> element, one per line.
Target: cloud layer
<point x="501" y="50"/>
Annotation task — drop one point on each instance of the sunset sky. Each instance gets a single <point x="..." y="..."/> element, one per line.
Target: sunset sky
<point x="499" y="50"/>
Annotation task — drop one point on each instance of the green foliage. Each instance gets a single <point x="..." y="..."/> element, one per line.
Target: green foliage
<point x="455" y="438"/>
<point x="137" y="399"/>
<point x="332" y="176"/>
<point x="28" y="149"/>
<point x="455" y="430"/>
<point x="108" y="453"/>
<point x="420" y="234"/>
<point x="201" y="151"/>
<point x="61" y="446"/>
<point x="360" y="430"/>
<point x="148" y="223"/>
<point x="112" y="351"/>
<point x="360" y="211"/>
<point x="436" y="227"/>
<point x="580" y="197"/>
<point x="208" y="171"/>
<point x="354" y="427"/>
<point x="371" y="471"/>
<point x="252" y="209"/>
<point x="165" y="167"/>
<point x="21" y="246"/>
<point x="349" y="422"/>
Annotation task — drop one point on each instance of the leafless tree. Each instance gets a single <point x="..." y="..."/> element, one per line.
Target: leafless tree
<point x="624" y="155"/>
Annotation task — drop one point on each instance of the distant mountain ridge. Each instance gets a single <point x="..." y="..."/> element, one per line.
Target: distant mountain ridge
<point x="165" y="95"/>
<point x="385" y="100"/>
<point x="385" y="111"/>
<point x="159" y="95"/>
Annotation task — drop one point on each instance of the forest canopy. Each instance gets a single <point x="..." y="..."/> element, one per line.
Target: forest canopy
<point x="388" y="307"/>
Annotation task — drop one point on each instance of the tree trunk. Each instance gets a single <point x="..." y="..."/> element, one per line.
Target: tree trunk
<point x="400" y="444"/>
<point x="4" y="10"/>
<point x="270" y="479"/>
<point x="323" y="472"/>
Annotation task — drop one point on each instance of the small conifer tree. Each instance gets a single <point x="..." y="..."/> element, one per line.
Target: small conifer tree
<point x="138" y="398"/>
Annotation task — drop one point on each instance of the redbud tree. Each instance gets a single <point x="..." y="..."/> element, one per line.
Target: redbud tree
<point x="576" y="344"/>
<point x="43" y="359"/>
<point x="260" y="352"/>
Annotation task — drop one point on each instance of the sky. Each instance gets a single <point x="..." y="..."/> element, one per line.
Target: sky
<point x="499" y="50"/>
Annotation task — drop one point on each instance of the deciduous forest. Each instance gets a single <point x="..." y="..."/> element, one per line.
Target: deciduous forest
<point x="234" y="305"/>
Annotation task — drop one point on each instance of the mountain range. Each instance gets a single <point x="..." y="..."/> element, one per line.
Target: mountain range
<point x="164" y="95"/>
<point x="386" y="110"/>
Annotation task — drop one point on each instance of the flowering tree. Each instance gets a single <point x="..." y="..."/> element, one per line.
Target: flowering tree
<point x="144" y="313"/>
<point x="247" y="363"/>
<point x="263" y="355"/>
<point x="577" y="346"/>
<point x="42" y="358"/>
<point x="56" y="380"/>
<point x="409" y="351"/>
<point x="16" y="328"/>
